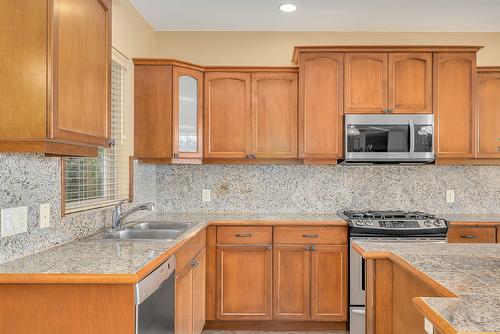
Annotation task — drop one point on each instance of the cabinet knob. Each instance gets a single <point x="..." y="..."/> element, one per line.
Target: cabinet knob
<point x="269" y="247"/>
<point x="112" y="142"/>
<point x="308" y="248"/>
<point x="176" y="155"/>
<point x="313" y="248"/>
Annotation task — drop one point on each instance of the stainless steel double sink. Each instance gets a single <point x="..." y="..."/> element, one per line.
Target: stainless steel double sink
<point x="149" y="230"/>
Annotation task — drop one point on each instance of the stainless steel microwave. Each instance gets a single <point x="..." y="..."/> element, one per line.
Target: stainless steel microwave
<point x="389" y="138"/>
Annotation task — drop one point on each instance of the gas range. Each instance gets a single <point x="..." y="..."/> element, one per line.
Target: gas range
<point x="397" y="223"/>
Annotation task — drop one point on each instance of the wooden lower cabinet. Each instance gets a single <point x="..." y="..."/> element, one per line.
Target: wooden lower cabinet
<point x="310" y="282"/>
<point x="390" y="298"/>
<point x="329" y="283"/>
<point x="292" y="282"/>
<point x="190" y="296"/>
<point x="244" y="282"/>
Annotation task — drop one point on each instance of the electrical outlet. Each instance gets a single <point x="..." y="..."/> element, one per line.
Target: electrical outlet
<point x="45" y="215"/>
<point x="14" y="221"/>
<point x="450" y="196"/>
<point x="205" y="195"/>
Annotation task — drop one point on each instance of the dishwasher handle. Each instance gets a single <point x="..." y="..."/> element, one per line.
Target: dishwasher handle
<point x="153" y="281"/>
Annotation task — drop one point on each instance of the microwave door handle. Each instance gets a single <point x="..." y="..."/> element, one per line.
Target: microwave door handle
<point x="412" y="139"/>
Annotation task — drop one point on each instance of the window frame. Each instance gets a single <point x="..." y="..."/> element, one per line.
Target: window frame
<point x="93" y="204"/>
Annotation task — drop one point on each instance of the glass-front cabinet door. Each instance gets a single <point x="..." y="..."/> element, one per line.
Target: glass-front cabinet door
<point x="187" y="113"/>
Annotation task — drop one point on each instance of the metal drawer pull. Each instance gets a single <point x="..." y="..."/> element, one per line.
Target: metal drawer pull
<point x="310" y="235"/>
<point x="472" y="236"/>
<point x="244" y="235"/>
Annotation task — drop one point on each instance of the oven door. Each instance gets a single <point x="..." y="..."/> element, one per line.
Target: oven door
<point x="389" y="138"/>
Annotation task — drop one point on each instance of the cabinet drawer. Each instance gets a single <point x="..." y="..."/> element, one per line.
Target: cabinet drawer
<point x="244" y="235"/>
<point x="187" y="253"/>
<point x="471" y="235"/>
<point x="328" y="235"/>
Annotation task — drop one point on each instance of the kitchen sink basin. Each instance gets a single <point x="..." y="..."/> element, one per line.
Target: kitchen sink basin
<point x="129" y="234"/>
<point x="160" y="225"/>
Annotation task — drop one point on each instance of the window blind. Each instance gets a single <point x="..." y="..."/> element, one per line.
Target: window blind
<point x="96" y="182"/>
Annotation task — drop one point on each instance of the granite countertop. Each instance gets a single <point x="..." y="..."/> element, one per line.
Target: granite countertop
<point x="470" y="271"/>
<point x="470" y="218"/>
<point x="94" y="256"/>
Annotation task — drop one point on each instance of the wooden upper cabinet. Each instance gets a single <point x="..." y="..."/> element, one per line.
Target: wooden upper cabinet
<point x="56" y="76"/>
<point x="244" y="282"/>
<point x="365" y="82"/>
<point x="168" y="113"/>
<point x="227" y="115"/>
<point x="321" y="105"/>
<point x="82" y="71"/>
<point x="489" y="112"/>
<point x="455" y="104"/>
<point x="187" y="113"/>
<point x="410" y="82"/>
<point x="153" y="112"/>
<point x="291" y="282"/>
<point x="329" y="283"/>
<point x="274" y="115"/>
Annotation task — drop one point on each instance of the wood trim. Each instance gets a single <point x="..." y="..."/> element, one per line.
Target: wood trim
<point x="467" y="162"/>
<point x="198" y="76"/>
<point x="252" y="69"/>
<point x="243" y="161"/>
<point x="211" y="272"/>
<point x="475" y="224"/>
<point x="168" y="62"/>
<point x="48" y="147"/>
<point x="488" y="69"/>
<point x="382" y="48"/>
<point x="277" y="325"/>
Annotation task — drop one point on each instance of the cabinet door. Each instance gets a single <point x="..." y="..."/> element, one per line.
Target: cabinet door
<point x="489" y="114"/>
<point x="321" y="105"/>
<point x="227" y="115"/>
<point x="184" y="301"/>
<point x="244" y="283"/>
<point x="329" y="283"/>
<point x="455" y="104"/>
<point x="291" y="282"/>
<point x="187" y="116"/>
<point x="199" y="292"/>
<point x="365" y="83"/>
<point x="274" y="115"/>
<point x="153" y="112"/>
<point x="82" y="71"/>
<point x="410" y="82"/>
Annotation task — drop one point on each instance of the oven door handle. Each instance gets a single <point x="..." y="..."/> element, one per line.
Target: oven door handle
<point x="412" y="138"/>
<point x="360" y="312"/>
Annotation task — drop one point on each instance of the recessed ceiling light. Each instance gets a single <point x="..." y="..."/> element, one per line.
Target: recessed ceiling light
<point x="288" y="7"/>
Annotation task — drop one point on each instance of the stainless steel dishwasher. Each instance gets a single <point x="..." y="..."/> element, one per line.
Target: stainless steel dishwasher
<point x="155" y="301"/>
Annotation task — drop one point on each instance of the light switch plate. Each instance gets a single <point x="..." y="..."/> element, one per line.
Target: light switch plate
<point x="206" y="195"/>
<point x="450" y="196"/>
<point x="429" y="328"/>
<point x="45" y="215"/>
<point x="14" y="221"/>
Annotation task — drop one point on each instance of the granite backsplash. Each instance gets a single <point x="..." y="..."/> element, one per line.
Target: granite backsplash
<point x="306" y="188"/>
<point x="31" y="180"/>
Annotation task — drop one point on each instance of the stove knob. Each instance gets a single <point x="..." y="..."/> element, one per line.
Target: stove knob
<point x="428" y="223"/>
<point x="438" y="223"/>
<point x="359" y="223"/>
<point x="369" y="223"/>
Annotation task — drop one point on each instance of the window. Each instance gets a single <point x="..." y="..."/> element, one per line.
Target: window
<point x="96" y="182"/>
